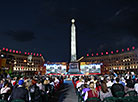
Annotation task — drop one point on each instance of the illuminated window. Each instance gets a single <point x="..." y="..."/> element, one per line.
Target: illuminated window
<point x="25" y="61"/>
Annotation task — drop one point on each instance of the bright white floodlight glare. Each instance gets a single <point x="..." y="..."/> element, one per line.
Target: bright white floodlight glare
<point x="2" y="55"/>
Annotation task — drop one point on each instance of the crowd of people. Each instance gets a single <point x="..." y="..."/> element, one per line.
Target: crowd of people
<point x="29" y="89"/>
<point x="102" y="86"/>
<point x="42" y="88"/>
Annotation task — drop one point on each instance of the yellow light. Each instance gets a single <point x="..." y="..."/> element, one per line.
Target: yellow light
<point x="25" y="61"/>
<point x="14" y="68"/>
<point x="87" y="73"/>
<point x="82" y="63"/>
<point x="63" y="63"/>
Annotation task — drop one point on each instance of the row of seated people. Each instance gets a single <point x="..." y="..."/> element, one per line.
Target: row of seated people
<point x="35" y="89"/>
<point x="101" y="88"/>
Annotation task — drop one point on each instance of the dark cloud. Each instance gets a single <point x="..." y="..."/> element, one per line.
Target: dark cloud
<point x="21" y="36"/>
<point x="101" y="25"/>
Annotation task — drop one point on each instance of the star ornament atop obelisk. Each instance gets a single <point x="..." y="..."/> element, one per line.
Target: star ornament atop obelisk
<point x="73" y="20"/>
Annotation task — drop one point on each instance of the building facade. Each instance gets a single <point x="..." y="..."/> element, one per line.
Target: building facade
<point x="27" y="63"/>
<point x="119" y="62"/>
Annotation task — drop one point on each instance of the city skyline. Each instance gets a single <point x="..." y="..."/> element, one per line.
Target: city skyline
<point x="42" y="26"/>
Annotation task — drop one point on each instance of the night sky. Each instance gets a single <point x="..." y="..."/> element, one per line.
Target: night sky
<point x="43" y="26"/>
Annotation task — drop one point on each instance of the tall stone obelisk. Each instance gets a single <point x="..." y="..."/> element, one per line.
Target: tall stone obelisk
<point x="73" y="41"/>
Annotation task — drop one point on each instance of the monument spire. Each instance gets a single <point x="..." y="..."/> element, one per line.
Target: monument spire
<point x="73" y="41"/>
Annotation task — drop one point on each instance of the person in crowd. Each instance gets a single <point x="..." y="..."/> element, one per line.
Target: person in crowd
<point x="133" y="76"/>
<point x="47" y="89"/>
<point x="116" y="87"/>
<point x="56" y="80"/>
<point x="123" y="81"/>
<point x="93" y="79"/>
<point x="130" y="84"/>
<point x="52" y="84"/>
<point x="39" y="84"/>
<point x="105" y="91"/>
<point x="84" y="90"/>
<point x="1" y="84"/>
<point x="56" y="83"/>
<point x="136" y="86"/>
<point x="35" y="92"/>
<point x="13" y="81"/>
<point x="79" y="83"/>
<point x="115" y="74"/>
<point x="8" y="76"/>
<point x="98" y="85"/>
<point x="20" y="92"/>
<point x="27" y="83"/>
<point x="9" y="83"/>
<point x="109" y="82"/>
<point x="5" y="91"/>
<point x="127" y="75"/>
<point x="46" y="86"/>
<point x="92" y="92"/>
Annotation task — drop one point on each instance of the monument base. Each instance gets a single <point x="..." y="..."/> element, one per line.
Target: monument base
<point x="74" y="68"/>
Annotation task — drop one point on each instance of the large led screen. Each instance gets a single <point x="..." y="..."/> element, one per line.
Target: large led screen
<point x="87" y="67"/>
<point x="55" y="68"/>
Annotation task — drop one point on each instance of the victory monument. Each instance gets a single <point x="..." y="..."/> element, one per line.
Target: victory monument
<point x="73" y="42"/>
<point x="73" y="65"/>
